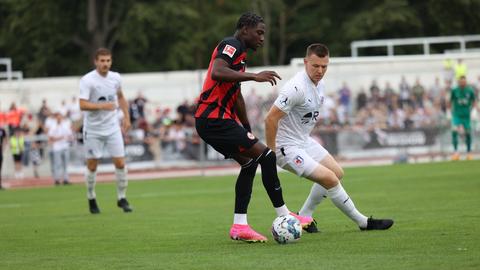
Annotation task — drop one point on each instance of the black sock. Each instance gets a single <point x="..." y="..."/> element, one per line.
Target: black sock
<point x="243" y="187"/>
<point x="268" y="162"/>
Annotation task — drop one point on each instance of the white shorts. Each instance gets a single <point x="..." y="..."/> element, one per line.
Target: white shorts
<point x="96" y="145"/>
<point x="301" y="160"/>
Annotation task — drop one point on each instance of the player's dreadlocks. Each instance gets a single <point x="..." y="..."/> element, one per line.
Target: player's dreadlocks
<point x="249" y="19"/>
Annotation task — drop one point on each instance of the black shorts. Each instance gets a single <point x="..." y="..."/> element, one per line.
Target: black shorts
<point x="17" y="157"/>
<point x="225" y="135"/>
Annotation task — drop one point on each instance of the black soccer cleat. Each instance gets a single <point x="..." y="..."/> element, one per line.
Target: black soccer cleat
<point x="92" y="203"/>
<point x="377" y="224"/>
<point x="123" y="203"/>
<point x="312" y="227"/>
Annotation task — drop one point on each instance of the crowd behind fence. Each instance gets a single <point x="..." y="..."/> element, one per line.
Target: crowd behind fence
<point x="381" y="116"/>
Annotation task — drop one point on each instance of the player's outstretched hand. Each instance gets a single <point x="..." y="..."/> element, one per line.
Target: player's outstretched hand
<point x="109" y="106"/>
<point x="267" y="76"/>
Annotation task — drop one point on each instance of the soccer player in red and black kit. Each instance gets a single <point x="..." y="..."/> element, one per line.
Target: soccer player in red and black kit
<point x="221" y="121"/>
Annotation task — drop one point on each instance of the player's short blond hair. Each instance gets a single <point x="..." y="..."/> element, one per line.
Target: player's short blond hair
<point x="318" y="49"/>
<point x="102" y="51"/>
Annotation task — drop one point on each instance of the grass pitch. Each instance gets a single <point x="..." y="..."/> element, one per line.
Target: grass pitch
<point x="184" y="223"/>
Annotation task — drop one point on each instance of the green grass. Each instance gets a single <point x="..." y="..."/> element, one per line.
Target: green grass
<point x="183" y="224"/>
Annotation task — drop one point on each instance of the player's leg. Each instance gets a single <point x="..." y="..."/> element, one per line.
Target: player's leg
<point x="116" y="149"/>
<point x="243" y="188"/>
<point x="90" y="181"/>
<point x="468" y="137"/>
<point x="329" y="179"/>
<point x="317" y="193"/>
<point x="1" y="163"/>
<point x="57" y="166"/>
<point x="240" y="229"/>
<point x="268" y="162"/>
<point x="93" y="152"/>
<point x="455" y="131"/>
<point x="65" y="160"/>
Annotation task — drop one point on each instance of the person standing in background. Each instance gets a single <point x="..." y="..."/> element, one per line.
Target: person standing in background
<point x="59" y="137"/>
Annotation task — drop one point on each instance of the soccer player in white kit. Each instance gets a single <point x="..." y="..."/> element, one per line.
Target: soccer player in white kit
<point x="100" y="95"/>
<point x="288" y="125"/>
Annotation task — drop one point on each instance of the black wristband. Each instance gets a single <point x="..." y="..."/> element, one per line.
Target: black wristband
<point x="247" y="127"/>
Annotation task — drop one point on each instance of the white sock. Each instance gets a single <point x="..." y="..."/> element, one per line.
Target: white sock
<point x="90" y="178"/>
<point x="316" y="196"/>
<point x="122" y="182"/>
<point x="282" y="210"/>
<point x="240" y="219"/>
<point x="342" y="201"/>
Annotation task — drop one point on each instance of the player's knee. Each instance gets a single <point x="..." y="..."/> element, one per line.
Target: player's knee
<point x="331" y="179"/>
<point x="119" y="163"/>
<point x="339" y="173"/>
<point x="267" y="157"/>
<point x="250" y="166"/>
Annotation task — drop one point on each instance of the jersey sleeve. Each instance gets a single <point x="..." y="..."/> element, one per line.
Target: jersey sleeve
<point x="289" y="97"/>
<point x="229" y="50"/>
<point x="84" y="90"/>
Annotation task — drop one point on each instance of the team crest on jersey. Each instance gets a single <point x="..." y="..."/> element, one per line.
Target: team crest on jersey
<point x="298" y="160"/>
<point x="229" y="50"/>
<point x="250" y="136"/>
<point x="283" y="101"/>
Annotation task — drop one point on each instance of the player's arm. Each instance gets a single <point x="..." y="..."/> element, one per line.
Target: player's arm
<point x="242" y="112"/>
<point x="86" y="105"/>
<point x="123" y="104"/>
<point x="222" y="72"/>
<point x="271" y="125"/>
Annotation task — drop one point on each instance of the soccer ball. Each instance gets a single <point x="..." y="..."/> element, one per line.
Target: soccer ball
<point x="286" y="229"/>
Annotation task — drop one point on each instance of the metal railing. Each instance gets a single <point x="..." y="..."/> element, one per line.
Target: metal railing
<point x="425" y="41"/>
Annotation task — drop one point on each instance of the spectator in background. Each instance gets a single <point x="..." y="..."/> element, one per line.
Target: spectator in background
<point x="375" y="95"/>
<point x="182" y="111"/>
<point x="405" y="93"/>
<point x="140" y="101"/>
<point x="59" y="136"/>
<point x="177" y="137"/>
<point x="460" y="69"/>
<point x="448" y="71"/>
<point x="14" y="117"/>
<point x="17" y="146"/>
<point x="44" y="111"/>
<point x="344" y="97"/>
<point x="3" y="137"/>
<point x="361" y="99"/>
<point x="435" y="89"/>
<point x="134" y="113"/>
<point x="396" y="117"/>
<point x="418" y="91"/>
<point x="75" y="114"/>
<point x="389" y="95"/>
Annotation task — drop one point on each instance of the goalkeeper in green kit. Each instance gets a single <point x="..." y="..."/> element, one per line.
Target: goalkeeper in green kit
<point x="462" y="100"/>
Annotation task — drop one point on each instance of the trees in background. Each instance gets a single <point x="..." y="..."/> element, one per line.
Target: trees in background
<point x="58" y="37"/>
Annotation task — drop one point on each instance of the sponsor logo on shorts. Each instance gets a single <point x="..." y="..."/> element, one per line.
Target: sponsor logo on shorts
<point x="250" y="136"/>
<point x="298" y="160"/>
<point x="229" y="50"/>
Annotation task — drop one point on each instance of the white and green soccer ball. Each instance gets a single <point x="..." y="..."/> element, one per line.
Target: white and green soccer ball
<point x="286" y="229"/>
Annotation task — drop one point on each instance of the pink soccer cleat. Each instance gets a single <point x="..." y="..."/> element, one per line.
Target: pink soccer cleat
<point x="246" y="233"/>
<point x="304" y="221"/>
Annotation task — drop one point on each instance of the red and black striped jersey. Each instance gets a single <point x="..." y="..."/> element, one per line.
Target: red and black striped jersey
<point x="218" y="99"/>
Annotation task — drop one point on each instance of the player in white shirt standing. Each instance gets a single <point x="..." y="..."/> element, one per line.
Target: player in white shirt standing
<point x="100" y="95"/>
<point x="288" y="125"/>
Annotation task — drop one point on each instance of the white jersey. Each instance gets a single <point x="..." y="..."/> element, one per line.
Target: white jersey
<point x="301" y="100"/>
<point x="97" y="89"/>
